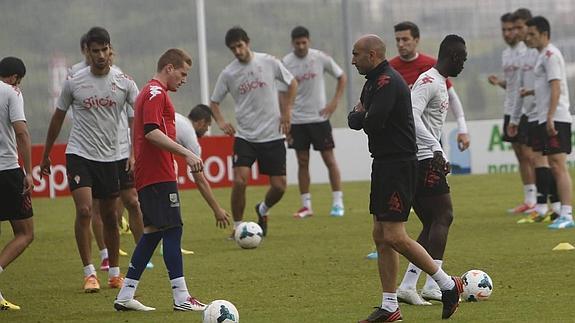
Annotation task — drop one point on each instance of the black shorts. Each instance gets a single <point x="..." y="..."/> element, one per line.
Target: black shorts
<point x="392" y="189"/>
<point x="160" y="205"/>
<point x="506" y="138"/>
<point x="534" y="141"/>
<point x="318" y="134"/>
<point x="102" y="177"/>
<point x="558" y="144"/>
<point x="429" y="181"/>
<point x="271" y="155"/>
<point x="13" y="204"/>
<point x="523" y="130"/>
<point x="126" y="178"/>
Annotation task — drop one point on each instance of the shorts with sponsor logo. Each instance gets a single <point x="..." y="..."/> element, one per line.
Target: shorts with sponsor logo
<point x="126" y="177"/>
<point x="102" y="177"/>
<point x="13" y="204"/>
<point x="271" y="155"/>
<point x="534" y="136"/>
<point x="506" y="138"/>
<point x="160" y="205"/>
<point x="319" y="134"/>
<point x="523" y="130"/>
<point x="392" y="189"/>
<point x="429" y="181"/>
<point x="558" y="144"/>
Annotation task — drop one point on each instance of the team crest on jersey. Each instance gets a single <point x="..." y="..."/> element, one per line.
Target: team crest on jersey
<point x="114" y="87"/>
<point x="383" y="80"/>
<point x="548" y="53"/>
<point x="155" y="90"/>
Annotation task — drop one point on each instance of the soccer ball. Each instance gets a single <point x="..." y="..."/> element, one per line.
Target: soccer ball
<point x="221" y="311"/>
<point x="248" y="235"/>
<point x="477" y="286"/>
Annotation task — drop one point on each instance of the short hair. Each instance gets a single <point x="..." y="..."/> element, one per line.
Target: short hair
<point x="522" y="13"/>
<point x="299" y="32"/>
<point x="407" y="25"/>
<point x="97" y="35"/>
<point x="200" y="112"/>
<point x="507" y="17"/>
<point x="541" y="24"/>
<point x="174" y="56"/>
<point x="448" y="43"/>
<point x="236" y="34"/>
<point x="84" y="42"/>
<point x="12" y="66"/>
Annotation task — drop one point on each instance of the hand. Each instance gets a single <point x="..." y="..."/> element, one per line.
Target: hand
<point x="130" y="164"/>
<point x="463" y="141"/>
<point x="227" y="128"/>
<point x="447" y="168"/>
<point x="328" y="110"/>
<point x="45" y="166"/>
<point x="222" y="218"/>
<point x="195" y="163"/>
<point x="358" y="107"/>
<point x="285" y="126"/>
<point x="525" y="92"/>
<point x="493" y="79"/>
<point x="551" y="132"/>
<point x="28" y="184"/>
<point x="438" y="163"/>
<point x="512" y="130"/>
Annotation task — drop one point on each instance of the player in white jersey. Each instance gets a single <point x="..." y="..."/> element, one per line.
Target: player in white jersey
<point x="432" y="202"/>
<point x="552" y="104"/>
<point x="97" y="95"/>
<point x="261" y="120"/>
<point x="310" y="116"/>
<point x="510" y="62"/>
<point x="15" y="183"/>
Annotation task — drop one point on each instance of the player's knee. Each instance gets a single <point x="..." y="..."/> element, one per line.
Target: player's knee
<point x="446" y="218"/>
<point x="84" y="211"/>
<point x="240" y="182"/>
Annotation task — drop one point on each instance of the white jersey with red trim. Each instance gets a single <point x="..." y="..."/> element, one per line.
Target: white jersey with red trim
<point x="526" y="105"/>
<point x="186" y="135"/>
<point x="511" y="64"/>
<point x="11" y="110"/>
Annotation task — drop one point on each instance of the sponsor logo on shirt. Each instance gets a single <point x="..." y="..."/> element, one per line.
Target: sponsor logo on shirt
<point x="427" y="79"/>
<point x="154" y="90"/>
<point x="98" y="102"/>
<point x="249" y="86"/>
<point x="383" y="80"/>
<point x="306" y="76"/>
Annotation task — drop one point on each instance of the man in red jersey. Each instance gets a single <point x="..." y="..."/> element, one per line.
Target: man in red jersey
<point x="154" y="147"/>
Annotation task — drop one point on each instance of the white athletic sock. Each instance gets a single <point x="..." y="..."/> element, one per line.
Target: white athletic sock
<point x="103" y="254"/>
<point x="1" y="298"/>
<point x="113" y="272"/>
<point x="337" y="198"/>
<point x="556" y="207"/>
<point x="443" y="280"/>
<point x="237" y="224"/>
<point x="128" y="289"/>
<point x="410" y="278"/>
<point x="429" y="282"/>
<point x="179" y="290"/>
<point x="306" y="200"/>
<point x="89" y="270"/>
<point x="389" y="302"/>
<point x="530" y="192"/>
<point x="264" y="208"/>
<point x="542" y="208"/>
<point x="1" y="269"/>
<point x="566" y="212"/>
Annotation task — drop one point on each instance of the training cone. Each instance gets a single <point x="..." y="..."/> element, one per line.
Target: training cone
<point x="563" y="246"/>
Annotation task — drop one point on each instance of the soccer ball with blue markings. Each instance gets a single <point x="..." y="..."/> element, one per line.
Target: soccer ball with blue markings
<point x="221" y="311"/>
<point x="477" y="286"/>
<point x="248" y="235"/>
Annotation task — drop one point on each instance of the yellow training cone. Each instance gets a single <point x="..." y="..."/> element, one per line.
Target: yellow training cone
<point x="563" y="246"/>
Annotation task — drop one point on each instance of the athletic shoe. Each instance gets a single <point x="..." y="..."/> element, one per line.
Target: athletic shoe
<point x="150" y="265"/>
<point x="91" y="284"/>
<point x="372" y="255"/>
<point x="553" y="216"/>
<point x="561" y="223"/>
<point x="125" y="226"/>
<point x="548" y="217"/>
<point x="431" y="294"/>
<point x="131" y="305"/>
<point x="122" y="253"/>
<point x="521" y="208"/>
<point x="186" y="252"/>
<point x="531" y="218"/>
<point x="192" y="304"/>
<point x="303" y="213"/>
<point x="410" y="296"/>
<point x="381" y="315"/>
<point x="115" y="282"/>
<point x="262" y="220"/>
<point x="450" y="298"/>
<point x="336" y="211"/>
<point x="7" y="306"/>
<point x="105" y="265"/>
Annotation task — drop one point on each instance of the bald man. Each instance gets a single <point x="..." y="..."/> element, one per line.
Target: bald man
<point x="385" y="115"/>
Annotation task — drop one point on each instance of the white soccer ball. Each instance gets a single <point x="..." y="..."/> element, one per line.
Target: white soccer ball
<point x="477" y="286"/>
<point x="221" y="311"/>
<point x="248" y="235"/>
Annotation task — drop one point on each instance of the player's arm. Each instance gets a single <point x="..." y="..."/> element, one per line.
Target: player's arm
<point x="515" y="115"/>
<point x="356" y="116"/>
<point x="332" y="105"/>
<point x="226" y="127"/>
<point x="53" y="132"/>
<point x="421" y="94"/>
<point x="555" y="87"/>
<point x="382" y="103"/>
<point x="457" y="108"/>
<point x="286" y="104"/>
<point x="24" y="146"/>
<point x="221" y="215"/>
<point x="159" y="139"/>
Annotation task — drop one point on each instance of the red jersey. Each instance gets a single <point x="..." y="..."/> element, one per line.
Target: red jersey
<point x="412" y="69"/>
<point x="153" y="164"/>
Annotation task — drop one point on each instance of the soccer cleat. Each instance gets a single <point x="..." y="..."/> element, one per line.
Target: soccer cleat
<point x="372" y="255"/>
<point x="122" y="253"/>
<point x="7" y="306"/>
<point x="115" y="282"/>
<point x="521" y="208"/>
<point x="262" y="220"/>
<point x="125" y="226"/>
<point x="337" y="211"/>
<point x="450" y="298"/>
<point x="303" y="213"/>
<point x="191" y="304"/>
<point x="186" y="252"/>
<point x="410" y="296"/>
<point x="530" y="218"/>
<point x="431" y="294"/>
<point x="381" y="315"/>
<point x="561" y="223"/>
<point x="105" y="265"/>
<point x="91" y="284"/>
<point x="131" y="305"/>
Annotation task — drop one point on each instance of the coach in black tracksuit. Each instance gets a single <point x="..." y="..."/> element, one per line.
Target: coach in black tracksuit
<point x="385" y="114"/>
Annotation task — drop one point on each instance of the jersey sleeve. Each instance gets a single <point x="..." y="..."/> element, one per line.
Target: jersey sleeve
<point x="186" y="137"/>
<point x="553" y="67"/>
<point x="421" y="94"/>
<point x="330" y="66"/>
<point x="281" y="72"/>
<point x="132" y="93"/>
<point x="381" y="105"/>
<point x="16" y="106"/>
<point x="66" y="98"/>
<point x="153" y="106"/>
<point x="221" y="88"/>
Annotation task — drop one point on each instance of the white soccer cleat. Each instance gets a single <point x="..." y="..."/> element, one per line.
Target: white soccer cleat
<point x="131" y="305"/>
<point x="191" y="304"/>
<point x="303" y="213"/>
<point x="431" y="294"/>
<point x="410" y="296"/>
